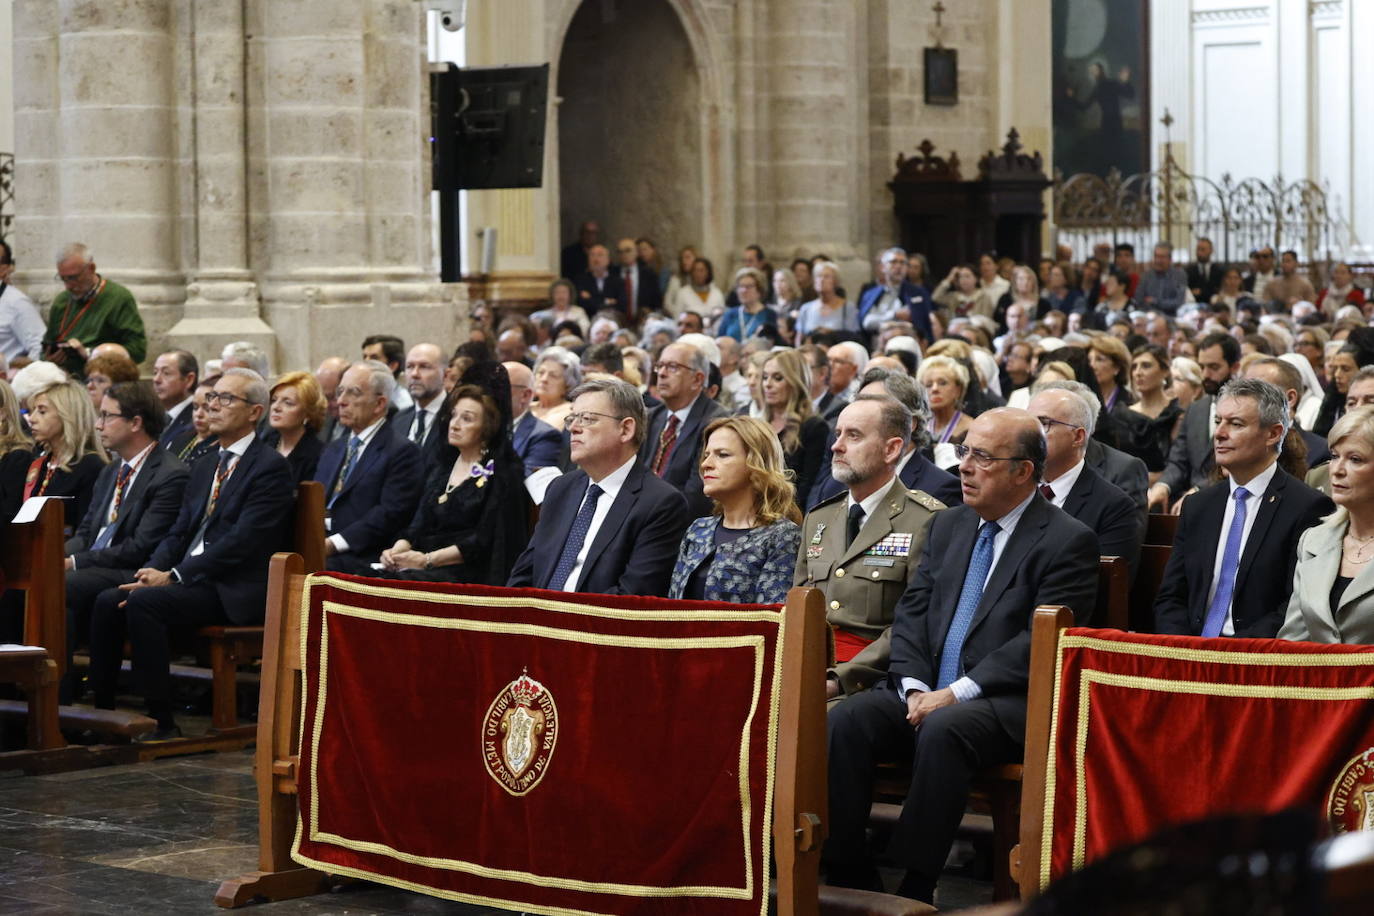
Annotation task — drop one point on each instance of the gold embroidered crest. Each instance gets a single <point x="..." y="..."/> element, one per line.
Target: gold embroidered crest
<point x="1350" y="804"/>
<point x="518" y="734"/>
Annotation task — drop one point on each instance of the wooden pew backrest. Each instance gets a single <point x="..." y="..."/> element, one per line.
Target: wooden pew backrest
<point x="31" y="559"/>
<point x="1113" y="593"/>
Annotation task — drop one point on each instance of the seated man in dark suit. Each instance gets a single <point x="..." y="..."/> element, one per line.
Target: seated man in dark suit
<point x="174" y="381"/>
<point x="639" y="286"/>
<point x="536" y="442"/>
<point x="424" y="382"/>
<point x="597" y="287"/>
<point x="1286" y="377"/>
<point x="1126" y="472"/>
<point x="955" y="698"/>
<point x="372" y="476"/>
<point x="1204" y="274"/>
<point x="1068" y="418"/>
<point x="136" y="500"/>
<point x="1231" y="569"/>
<point x="1189" y="466"/>
<point x="211" y="568"/>
<point x="672" y="444"/>
<point x="916" y="471"/>
<point x="610" y="526"/>
<point x="827" y="404"/>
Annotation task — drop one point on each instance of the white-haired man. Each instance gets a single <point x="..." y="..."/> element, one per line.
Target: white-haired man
<point x="89" y="311"/>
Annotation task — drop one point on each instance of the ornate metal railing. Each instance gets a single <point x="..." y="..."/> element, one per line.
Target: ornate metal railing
<point x="6" y="194"/>
<point x="1175" y="206"/>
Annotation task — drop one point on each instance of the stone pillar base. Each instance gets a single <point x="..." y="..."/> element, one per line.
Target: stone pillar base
<point x="206" y="337"/>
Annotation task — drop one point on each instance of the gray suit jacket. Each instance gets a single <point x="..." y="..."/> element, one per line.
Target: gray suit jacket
<point x="1309" y="617"/>
<point x="1190" y="457"/>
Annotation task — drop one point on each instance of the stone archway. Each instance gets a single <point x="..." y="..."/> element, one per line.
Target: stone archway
<point x="630" y="124"/>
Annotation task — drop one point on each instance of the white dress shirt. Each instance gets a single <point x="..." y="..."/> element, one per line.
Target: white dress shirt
<point x="135" y="465"/>
<point x="175" y="411"/>
<point x="966" y="688"/>
<point x="610" y="488"/>
<point x="1256" y="487"/>
<point x="431" y="411"/>
<point x="21" y="326"/>
<point x="238" y="448"/>
<point x="870" y="502"/>
<point x="1062" y="484"/>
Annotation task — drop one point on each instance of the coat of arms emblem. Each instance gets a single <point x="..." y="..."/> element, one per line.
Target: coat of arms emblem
<point x="518" y="734"/>
<point x="1350" y="805"/>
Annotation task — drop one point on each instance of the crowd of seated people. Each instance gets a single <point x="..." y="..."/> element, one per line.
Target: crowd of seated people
<point x="936" y="461"/>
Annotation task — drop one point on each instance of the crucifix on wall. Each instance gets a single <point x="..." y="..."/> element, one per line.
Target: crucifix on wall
<point x="941" y="66"/>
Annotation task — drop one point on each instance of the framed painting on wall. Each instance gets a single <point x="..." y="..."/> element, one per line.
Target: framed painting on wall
<point x="1101" y="83"/>
<point x="941" y="76"/>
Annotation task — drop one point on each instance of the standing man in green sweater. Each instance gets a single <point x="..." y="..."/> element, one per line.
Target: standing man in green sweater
<point x="90" y="311"/>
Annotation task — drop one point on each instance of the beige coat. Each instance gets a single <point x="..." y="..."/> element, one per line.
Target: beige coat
<point x="1309" y="617"/>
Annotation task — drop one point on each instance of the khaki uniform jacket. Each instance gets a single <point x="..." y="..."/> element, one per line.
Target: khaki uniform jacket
<point x="863" y="583"/>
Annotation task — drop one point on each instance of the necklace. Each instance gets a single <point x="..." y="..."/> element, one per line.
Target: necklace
<point x="1362" y="545"/>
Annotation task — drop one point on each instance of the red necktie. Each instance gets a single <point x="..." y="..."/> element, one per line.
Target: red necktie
<point x="1047" y="491"/>
<point x="666" y="440"/>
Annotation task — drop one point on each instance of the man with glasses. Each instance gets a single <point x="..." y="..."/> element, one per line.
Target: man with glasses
<point x="954" y="700"/>
<point x="372" y="475"/>
<point x="1263" y="274"/>
<point x="1068" y="418"/>
<point x="90" y="310"/>
<point x="21" y="327"/>
<point x="611" y="526"/>
<point x="536" y="442"/>
<point x="136" y="499"/>
<point x="211" y="568"/>
<point x="672" y="445"/>
<point x="896" y="298"/>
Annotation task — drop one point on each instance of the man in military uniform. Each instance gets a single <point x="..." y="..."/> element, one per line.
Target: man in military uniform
<point x="859" y="547"/>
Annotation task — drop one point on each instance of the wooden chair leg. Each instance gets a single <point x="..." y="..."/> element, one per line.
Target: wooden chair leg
<point x="224" y="692"/>
<point x="1006" y="827"/>
<point x="44" y="732"/>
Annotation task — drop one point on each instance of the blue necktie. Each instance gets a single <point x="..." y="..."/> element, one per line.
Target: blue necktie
<point x="979" y="565"/>
<point x="350" y="458"/>
<point x="1230" y="562"/>
<point x="573" y="545"/>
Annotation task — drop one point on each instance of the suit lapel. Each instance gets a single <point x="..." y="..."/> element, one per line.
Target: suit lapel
<point x="1081" y="493"/>
<point x="1211" y="516"/>
<point x="151" y="465"/>
<point x="1270" y="502"/>
<point x="1324" y="566"/>
<point x="242" y="472"/>
<point x="371" y="455"/>
<point x="1202" y="432"/>
<point x="522" y="432"/>
<point x="1026" y="535"/>
<point x="620" y="510"/>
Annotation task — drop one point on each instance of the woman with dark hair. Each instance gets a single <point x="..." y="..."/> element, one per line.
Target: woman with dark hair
<point x="202" y="443"/>
<point x="647" y="250"/>
<point x="1341" y="366"/>
<point x="751" y="315"/>
<point x="563" y="307"/>
<point x="473" y="519"/>
<point x="745" y="551"/>
<point x="700" y="295"/>
<point x="1160" y="414"/>
<point x="1089" y="284"/>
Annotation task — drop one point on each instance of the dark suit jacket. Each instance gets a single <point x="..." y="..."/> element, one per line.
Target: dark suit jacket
<point x="177" y="429"/>
<point x="1318" y="450"/>
<point x="829" y="406"/>
<point x="915" y="298"/>
<point x="1105" y="509"/>
<point x="435" y="443"/>
<point x="1264" y="579"/>
<point x="146" y="514"/>
<point x="608" y="296"/>
<point x="1206" y="283"/>
<point x="1050" y="559"/>
<point x="634" y="550"/>
<point x="380" y="496"/>
<point x="1190" y="457"/>
<point x="1126" y="472"/>
<point x="683" y="471"/>
<point x="537" y="443"/>
<point x="304" y="458"/>
<point x="919" y="473"/>
<point x="251" y="521"/>
<point x="650" y="298"/>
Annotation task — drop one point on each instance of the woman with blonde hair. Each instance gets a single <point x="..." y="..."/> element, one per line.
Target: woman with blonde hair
<point x="946" y="381"/>
<point x="296" y="415"/>
<point x="829" y="309"/>
<point x="745" y="552"/>
<point x="16" y="451"/>
<point x="69" y="456"/>
<point x="787" y="409"/>
<point x="1185" y="385"/>
<point x="753" y="378"/>
<point x="1333" y="582"/>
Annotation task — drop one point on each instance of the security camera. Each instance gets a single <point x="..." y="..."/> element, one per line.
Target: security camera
<point x="451" y="12"/>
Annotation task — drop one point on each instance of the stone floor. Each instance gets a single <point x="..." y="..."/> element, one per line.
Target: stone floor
<point x="158" y="838"/>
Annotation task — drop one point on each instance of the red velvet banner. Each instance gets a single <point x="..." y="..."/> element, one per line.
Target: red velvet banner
<point x="536" y="750"/>
<point x="1151" y="731"/>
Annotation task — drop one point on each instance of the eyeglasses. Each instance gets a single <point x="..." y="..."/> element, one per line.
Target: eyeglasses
<point x="668" y="365"/>
<point x="224" y="398"/>
<point x="104" y="417"/>
<point x="981" y="459"/>
<point x="1048" y="423"/>
<point x="69" y="278"/>
<point x="586" y="418"/>
<point x="354" y="392"/>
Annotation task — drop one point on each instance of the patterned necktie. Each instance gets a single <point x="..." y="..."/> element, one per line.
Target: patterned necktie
<point x="1230" y="562"/>
<point x="979" y="565"/>
<point x="666" y="440"/>
<point x="350" y="458"/>
<point x="107" y="533"/>
<point x="226" y="459"/>
<point x="573" y="545"/>
<point x="420" y="414"/>
<point x="856" y="523"/>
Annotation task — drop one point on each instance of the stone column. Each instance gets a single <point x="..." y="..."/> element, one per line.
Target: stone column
<point x="1024" y="90"/>
<point x="811" y="83"/>
<point x="94" y="145"/>
<point x="338" y="176"/>
<point x="222" y="301"/>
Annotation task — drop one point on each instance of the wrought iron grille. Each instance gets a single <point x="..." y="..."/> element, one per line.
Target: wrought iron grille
<point x="6" y="194"/>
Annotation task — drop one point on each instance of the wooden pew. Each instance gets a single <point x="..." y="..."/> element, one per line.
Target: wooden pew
<point x="31" y="560"/>
<point x="800" y="799"/>
<point x="1160" y="528"/>
<point x="230" y="646"/>
<point x="1148" y="575"/>
<point x="36" y="674"/>
<point x="1114" y="593"/>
